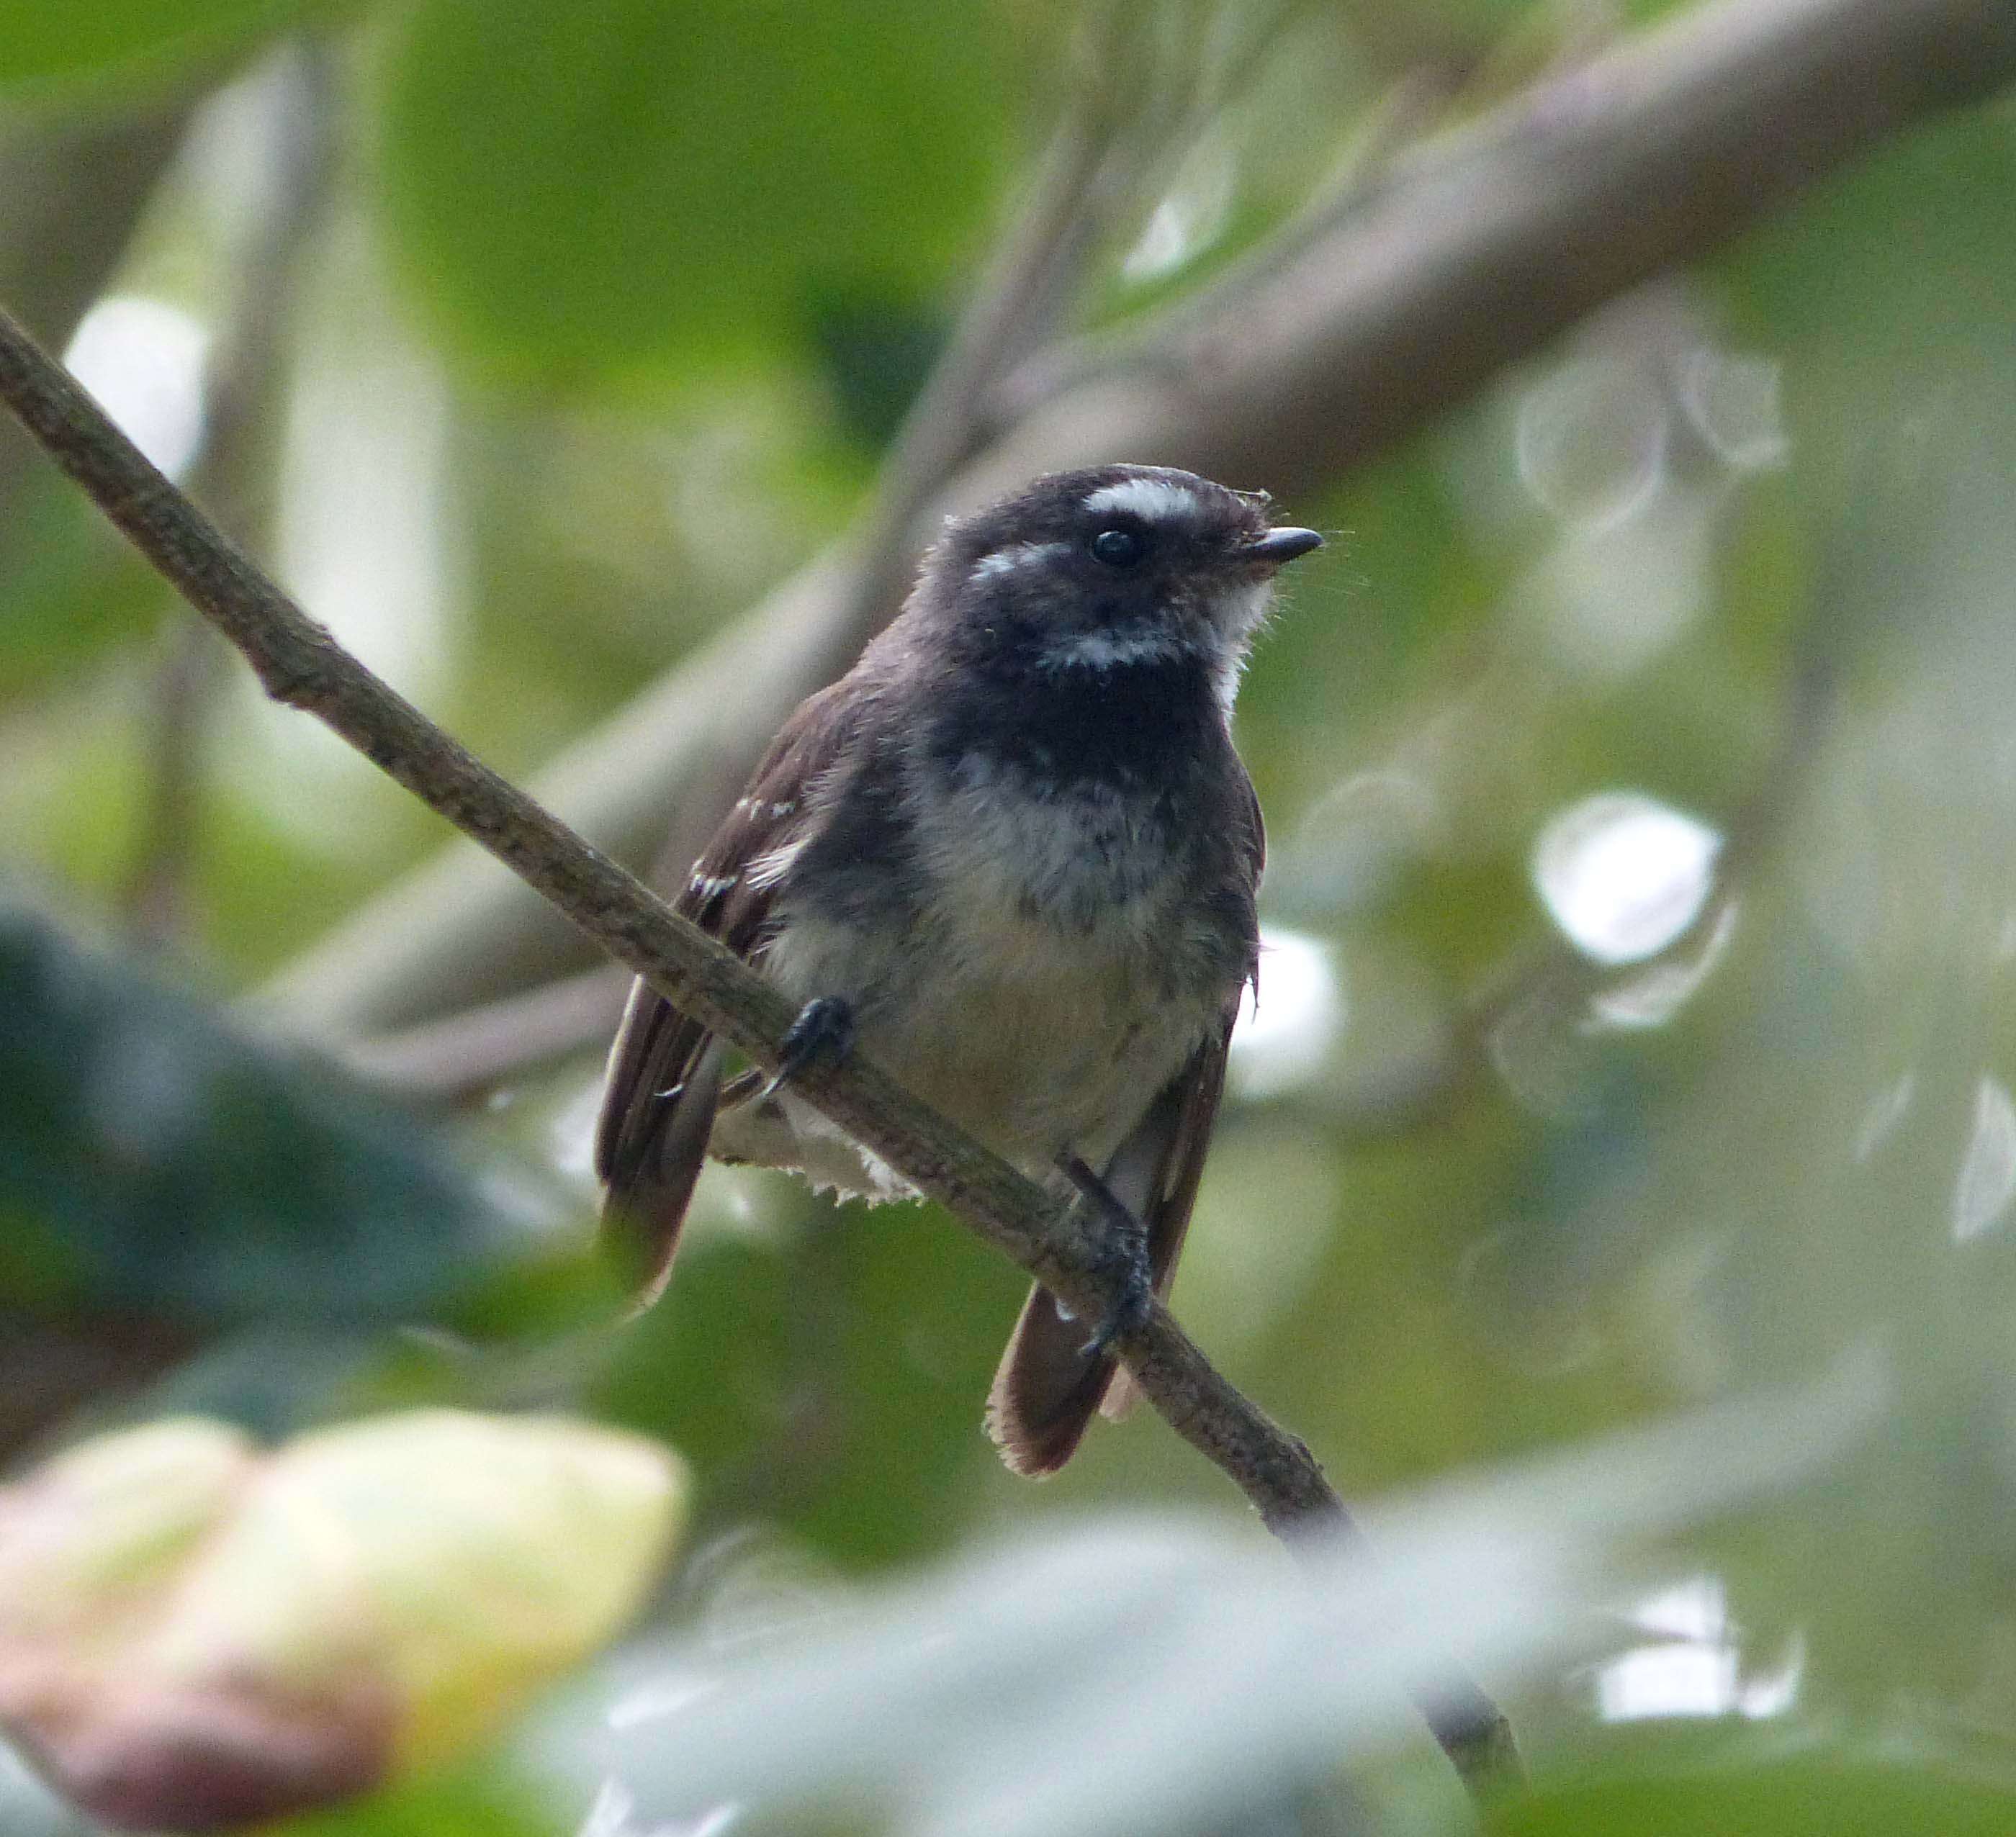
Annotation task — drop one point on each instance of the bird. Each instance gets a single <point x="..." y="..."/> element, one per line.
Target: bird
<point x="1013" y="858"/>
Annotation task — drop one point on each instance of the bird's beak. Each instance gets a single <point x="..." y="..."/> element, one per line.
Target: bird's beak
<point x="1280" y="545"/>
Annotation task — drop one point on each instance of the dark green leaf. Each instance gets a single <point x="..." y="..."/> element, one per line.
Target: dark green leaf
<point x="151" y="1156"/>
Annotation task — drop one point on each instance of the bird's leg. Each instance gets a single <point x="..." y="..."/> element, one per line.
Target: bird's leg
<point x="1123" y="1254"/>
<point x="824" y="1030"/>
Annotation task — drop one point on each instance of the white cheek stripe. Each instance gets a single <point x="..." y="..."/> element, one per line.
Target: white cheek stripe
<point x="1020" y="555"/>
<point x="1154" y="500"/>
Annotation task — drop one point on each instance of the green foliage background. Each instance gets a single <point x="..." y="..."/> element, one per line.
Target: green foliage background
<point x="658" y="279"/>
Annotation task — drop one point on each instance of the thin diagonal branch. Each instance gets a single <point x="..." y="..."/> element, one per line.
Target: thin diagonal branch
<point x="301" y="665"/>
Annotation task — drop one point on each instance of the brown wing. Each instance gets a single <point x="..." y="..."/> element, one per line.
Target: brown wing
<point x="664" y="1081"/>
<point x="1048" y="1387"/>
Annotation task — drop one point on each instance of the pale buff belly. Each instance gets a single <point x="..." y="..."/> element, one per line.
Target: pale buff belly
<point x="1040" y="1043"/>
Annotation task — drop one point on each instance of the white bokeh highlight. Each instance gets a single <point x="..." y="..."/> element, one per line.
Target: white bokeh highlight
<point x="1285" y="1037"/>
<point x="1987" y="1180"/>
<point x="1590" y="441"/>
<point x="143" y="360"/>
<point x="1190" y="218"/>
<point x="1693" y="1664"/>
<point x="1623" y="875"/>
<point x="1734" y="400"/>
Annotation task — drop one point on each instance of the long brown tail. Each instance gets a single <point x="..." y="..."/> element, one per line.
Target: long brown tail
<point x="657" y="1114"/>
<point x="1048" y="1386"/>
<point x="1048" y="1389"/>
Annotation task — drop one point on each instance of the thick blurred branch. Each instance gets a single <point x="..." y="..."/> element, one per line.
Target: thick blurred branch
<point x="301" y="665"/>
<point x="1472" y="254"/>
<point x="1486" y="244"/>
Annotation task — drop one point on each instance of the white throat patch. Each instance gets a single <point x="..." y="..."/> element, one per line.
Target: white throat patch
<point x="1114" y="650"/>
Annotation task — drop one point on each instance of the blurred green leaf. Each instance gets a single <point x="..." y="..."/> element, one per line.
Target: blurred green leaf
<point x="629" y="183"/>
<point x="836" y="1387"/>
<point x="469" y="1800"/>
<point x="1883" y="299"/>
<point x="40" y="40"/>
<point x="152" y="1157"/>
<point x="69" y="593"/>
<point x="1728" y="1779"/>
<point x="1171" y="1670"/>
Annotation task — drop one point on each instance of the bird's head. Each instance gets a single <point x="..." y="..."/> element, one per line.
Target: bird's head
<point x="1112" y="567"/>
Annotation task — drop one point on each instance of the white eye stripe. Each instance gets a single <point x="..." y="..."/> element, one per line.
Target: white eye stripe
<point x="1020" y="554"/>
<point x="1154" y="500"/>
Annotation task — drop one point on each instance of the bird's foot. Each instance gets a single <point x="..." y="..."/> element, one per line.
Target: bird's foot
<point x="1122" y="1257"/>
<point x="824" y="1030"/>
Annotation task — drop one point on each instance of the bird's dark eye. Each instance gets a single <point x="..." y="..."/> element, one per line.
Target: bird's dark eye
<point x="1119" y="549"/>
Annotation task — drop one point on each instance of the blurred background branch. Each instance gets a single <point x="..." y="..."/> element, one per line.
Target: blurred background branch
<point x="72" y="191"/>
<point x="1457" y="263"/>
<point x="244" y="384"/>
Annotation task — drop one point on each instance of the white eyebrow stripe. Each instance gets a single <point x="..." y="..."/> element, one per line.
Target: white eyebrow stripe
<point x="1020" y="554"/>
<point x="1154" y="500"/>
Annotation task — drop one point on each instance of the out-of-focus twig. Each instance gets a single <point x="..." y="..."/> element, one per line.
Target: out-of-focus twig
<point x="463" y="1054"/>
<point x="72" y="192"/>
<point x="302" y="666"/>
<point x="233" y="468"/>
<point x="1473" y="255"/>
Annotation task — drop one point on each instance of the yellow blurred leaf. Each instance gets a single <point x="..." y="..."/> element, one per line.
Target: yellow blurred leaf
<point x="194" y="1634"/>
<point x="105" y="1522"/>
